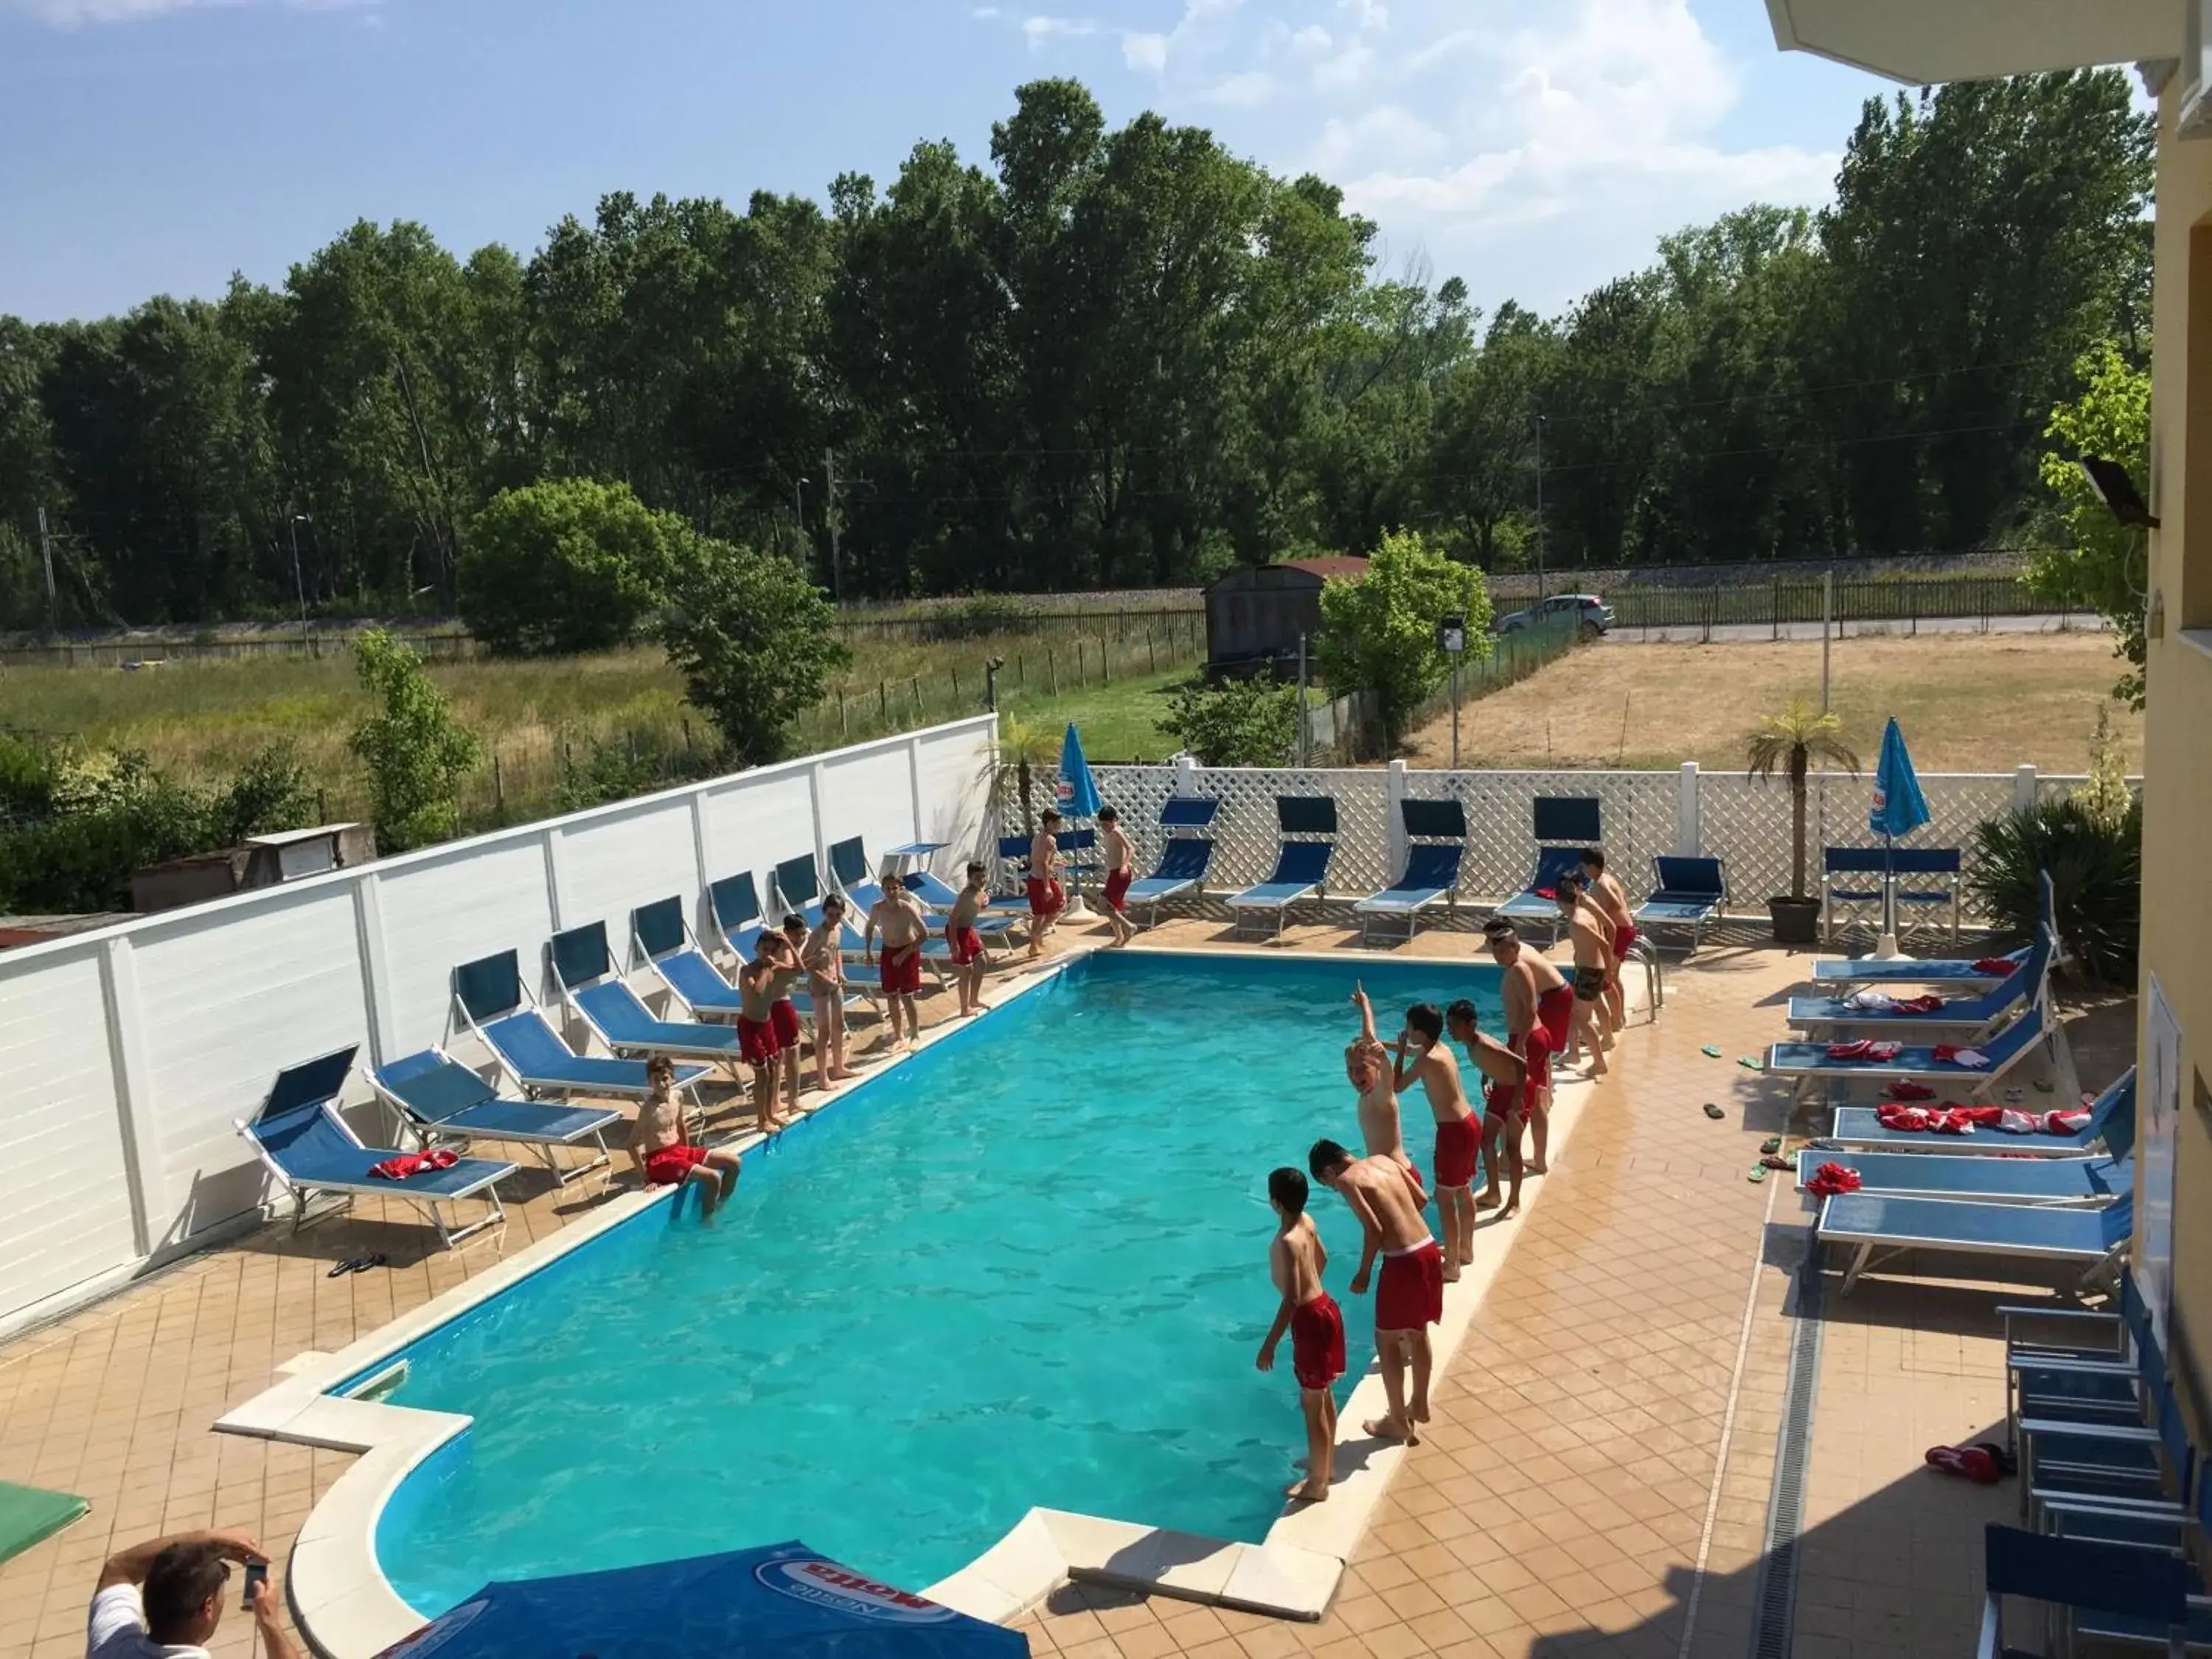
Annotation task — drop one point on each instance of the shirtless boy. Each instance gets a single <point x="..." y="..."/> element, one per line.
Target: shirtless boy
<point x="1539" y="1005"/>
<point x="1296" y="1260"/>
<point x="1591" y="935"/>
<point x="967" y="944"/>
<point x="759" y="984"/>
<point x="898" y="915"/>
<point x="1611" y="897"/>
<point x="1121" y="870"/>
<point x="1458" y="1138"/>
<point x="789" y="1035"/>
<point x="662" y="1147"/>
<point x="1410" y="1296"/>
<point x="821" y="955"/>
<point x="1046" y="897"/>
<point x="1504" y="1101"/>
<point x="1367" y="1065"/>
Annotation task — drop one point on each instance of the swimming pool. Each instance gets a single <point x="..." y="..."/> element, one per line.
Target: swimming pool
<point x="1028" y="1267"/>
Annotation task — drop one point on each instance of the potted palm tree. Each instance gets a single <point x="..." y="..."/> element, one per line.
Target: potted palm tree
<point x="1791" y="742"/>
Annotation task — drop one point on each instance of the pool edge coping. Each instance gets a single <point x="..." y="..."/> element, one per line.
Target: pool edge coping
<point x="346" y="1608"/>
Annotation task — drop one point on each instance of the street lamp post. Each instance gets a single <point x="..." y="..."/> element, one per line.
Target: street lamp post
<point x="299" y="586"/>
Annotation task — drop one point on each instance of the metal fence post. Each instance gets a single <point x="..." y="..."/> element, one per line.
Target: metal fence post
<point x="1688" y="831"/>
<point x="2023" y="788"/>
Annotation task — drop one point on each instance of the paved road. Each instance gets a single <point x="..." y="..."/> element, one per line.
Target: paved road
<point x="1764" y="634"/>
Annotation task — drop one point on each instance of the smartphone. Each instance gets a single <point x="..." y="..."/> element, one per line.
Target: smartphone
<point x="256" y="1574"/>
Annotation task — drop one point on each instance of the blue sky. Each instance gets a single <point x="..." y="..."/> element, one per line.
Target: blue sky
<point x="1533" y="146"/>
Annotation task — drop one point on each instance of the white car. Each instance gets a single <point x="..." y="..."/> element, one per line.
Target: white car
<point x="1593" y="614"/>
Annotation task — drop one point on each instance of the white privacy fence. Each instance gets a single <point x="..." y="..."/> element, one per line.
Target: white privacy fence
<point x="1743" y="821"/>
<point x="125" y="1054"/>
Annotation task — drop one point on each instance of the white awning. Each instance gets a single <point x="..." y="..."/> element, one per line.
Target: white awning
<point x="1923" y="41"/>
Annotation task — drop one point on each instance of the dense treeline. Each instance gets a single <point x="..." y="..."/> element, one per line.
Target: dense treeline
<point x="1111" y="357"/>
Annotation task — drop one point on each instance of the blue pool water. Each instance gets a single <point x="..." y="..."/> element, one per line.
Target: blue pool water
<point x="1027" y="1267"/>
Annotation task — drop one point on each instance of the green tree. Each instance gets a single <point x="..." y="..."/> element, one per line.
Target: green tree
<point x="1790" y="742"/>
<point x="2104" y="564"/>
<point x="1379" y="631"/>
<point x="414" y="751"/>
<point x="755" y="642"/>
<point x="565" y="566"/>
<point x="1252" y="722"/>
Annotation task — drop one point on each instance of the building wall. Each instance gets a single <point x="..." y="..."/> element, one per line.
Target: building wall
<point x="1251" y="613"/>
<point x="2177" y="926"/>
<point x="128" y="1054"/>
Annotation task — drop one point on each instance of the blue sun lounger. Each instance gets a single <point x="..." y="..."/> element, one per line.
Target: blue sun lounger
<point x="1301" y="865"/>
<point x="307" y="1149"/>
<point x="1957" y="974"/>
<point x="1979" y="1179"/>
<point x="437" y="1098"/>
<point x="1967" y="1018"/>
<point x="1185" y="857"/>
<point x="1689" y="892"/>
<point x="489" y="997"/>
<point x="1538" y="900"/>
<point x="1870" y="1222"/>
<point x="2111" y="1126"/>
<point x="1809" y="1062"/>
<point x="583" y="970"/>
<point x="797" y="887"/>
<point x="849" y="863"/>
<point x="659" y="934"/>
<point x="1436" y="834"/>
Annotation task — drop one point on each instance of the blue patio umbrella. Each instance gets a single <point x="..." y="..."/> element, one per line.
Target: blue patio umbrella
<point x="780" y="1602"/>
<point x="1898" y="809"/>
<point x="1079" y="793"/>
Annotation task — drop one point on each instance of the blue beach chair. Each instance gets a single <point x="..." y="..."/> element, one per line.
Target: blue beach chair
<point x="1563" y="825"/>
<point x="1869" y="1223"/>
<point x="797" y="887"/>
<point x="2111" y="1126"/>
<point x="307" y="1150"/>
<point x="1809" y="1063"/>
<point x="1956" y="973"/>
<point x="1968" y="1017"/>
<point x="1979" y="1179"/>
<point x="662" y="938"/>
<point x="1185" y="856"/>
<point x="1539" y="899"/>
<point x="583" y="970"/>
<point x="849" y="863"/>
<point x="1689" y="893"/>
<point x="491" y="1001"/>
<point x="1301" y="865"/>
<point x="2099" y="1583"/>
<point x="1911" y="864"/>
<point x="436" y="1098"/>
<point x="1436" y="834"/>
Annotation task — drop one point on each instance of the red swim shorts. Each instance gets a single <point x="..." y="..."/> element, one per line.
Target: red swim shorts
<point x="1503" y="1101"/>
<point x="1539" y="1058"/>
<point x="901" y="979"/>
<point x="671" y="1163"/>
<point x="1046" y="899"/>
<point x="1414" y="1177"/>
<point x="1624" y="939"/>
<point x="1457" y="1144"/>
<point x="783" y="1014"/>
<point x="1410" y="1293"/>
<point x="1117" y="894"/>
<point x="756" y="1040"/>
<point x="967" y="945"/>
<point x="1555" y="1010"/>
<point x="1317" y="1342"/>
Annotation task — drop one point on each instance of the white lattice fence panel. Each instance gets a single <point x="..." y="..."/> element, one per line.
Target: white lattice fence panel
<point x="1244" y="834"/>
<point x="1637" y="813"/>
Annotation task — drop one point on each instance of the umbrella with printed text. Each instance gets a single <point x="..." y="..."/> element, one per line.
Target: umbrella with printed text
<point x="1898" y="809"/>
<point x="1077" y="797"/>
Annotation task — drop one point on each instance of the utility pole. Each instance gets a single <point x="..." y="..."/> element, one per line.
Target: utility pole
<point x="1540" y="594"/>
<point x="829" y="513"/>
<point x="47" y="553"/>
<point x="298" y="585"/>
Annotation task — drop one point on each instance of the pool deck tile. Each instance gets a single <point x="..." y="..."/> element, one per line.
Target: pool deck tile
<point x="1594" y="1481"/>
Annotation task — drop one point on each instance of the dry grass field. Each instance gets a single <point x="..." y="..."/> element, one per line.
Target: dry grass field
<point x="1967" y="703"/>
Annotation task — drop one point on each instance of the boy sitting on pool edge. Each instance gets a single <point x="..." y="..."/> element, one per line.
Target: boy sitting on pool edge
<point x="1297" y="1259"/>
<point x="661" y="1145"/>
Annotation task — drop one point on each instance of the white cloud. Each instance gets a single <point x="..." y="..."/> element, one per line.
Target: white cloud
<point x="78" y="14"/>
<point x="1311" y="41"/>
<point x="1348" y="68"/>
<point x="1145" y="51"/>
<point x="1246" y="91"/>
<point x="1038" y="30"/>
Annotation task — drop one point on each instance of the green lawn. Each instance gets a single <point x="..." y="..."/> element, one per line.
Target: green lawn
<point x="1119" y="721"/>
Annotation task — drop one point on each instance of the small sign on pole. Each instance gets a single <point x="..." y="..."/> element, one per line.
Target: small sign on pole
<point x="1451" y="639"/>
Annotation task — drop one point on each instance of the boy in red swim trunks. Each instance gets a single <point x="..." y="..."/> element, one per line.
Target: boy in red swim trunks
<point x="1458" y="1138"/>
<point x="1046" y="897"/>
<point x="967" y="944"/>
<point x="1612" y="898"/>
<point x="662" y="1148"/>
<point x="1504" y="1100"/>
<point x="1382" y="1130"/>
<point x="898" y="915"/>
<point x="1539" y="1006"/>
<point x="1296" y="1260"/>
<point x="760" y="982"/>
<point x="1121" y="870"/>
<point x="1410" y="1297"/>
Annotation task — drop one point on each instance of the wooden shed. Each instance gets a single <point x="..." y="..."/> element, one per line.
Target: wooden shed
<point x="1255" y="614"/>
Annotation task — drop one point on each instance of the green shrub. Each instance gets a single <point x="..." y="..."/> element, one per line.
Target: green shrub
<point x="103" y="825"/>
<point x="567" y="566"/>
<point x="2095" y="865"/>
<point x="1236" y="723"/>
<point x="755" y="642"/>
<point x="1381" y="631"/>
<point x="414" y="750"/>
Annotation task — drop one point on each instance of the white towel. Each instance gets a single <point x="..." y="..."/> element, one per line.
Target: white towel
<point x="1874" y="1002"/>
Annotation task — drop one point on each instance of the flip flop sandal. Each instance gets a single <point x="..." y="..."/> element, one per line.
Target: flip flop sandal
<point x="2043" y="1086"/>
<point x="1710" y="1051"/>
<point x="380" y="1260"/>
<point x="1714" y="1112"/>
<point x="2014" y="1097"/>
<point x="1772" y="1144"/>
<point x="1757" y="1173"/>
<point x="350" y="1265"/>
<point x="1823" y="1144"/>
<point x="1750" y="1063"/>
<point x="1775" y="1161"/>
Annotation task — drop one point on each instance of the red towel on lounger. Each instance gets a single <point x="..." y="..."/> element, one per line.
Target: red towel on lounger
<point x="1833" y="1178"/>
<point x="2000" y="966"/>
<point x="1925" y="1005"/>
<point x="403" y="1164"/>
<point x="1910" y="1092"/>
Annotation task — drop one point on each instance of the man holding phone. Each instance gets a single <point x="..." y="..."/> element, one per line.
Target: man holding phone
<point x="163" y="1598"/>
